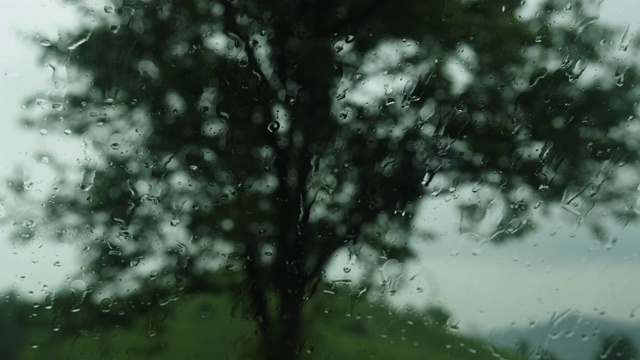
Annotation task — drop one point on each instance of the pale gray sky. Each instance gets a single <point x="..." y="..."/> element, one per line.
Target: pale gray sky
<point x="518" y="282"/>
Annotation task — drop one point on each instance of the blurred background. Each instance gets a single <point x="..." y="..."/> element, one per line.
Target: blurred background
<point x="557" y="291"/>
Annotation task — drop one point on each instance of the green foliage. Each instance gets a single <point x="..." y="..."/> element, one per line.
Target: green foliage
<point x="202" y="326"/>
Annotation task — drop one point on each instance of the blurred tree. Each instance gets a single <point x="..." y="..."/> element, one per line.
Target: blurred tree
<point x="238" y="145"/>
<point x="13" y="330"/>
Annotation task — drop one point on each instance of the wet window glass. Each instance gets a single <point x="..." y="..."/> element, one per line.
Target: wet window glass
<point x="300" y="179"/>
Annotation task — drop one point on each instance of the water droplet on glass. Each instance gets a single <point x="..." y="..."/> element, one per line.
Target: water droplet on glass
<point x="67" y="132"/>
<point x="428" y="176"/>
<point x="87" y="179"/>
<point x="626" y="39"/>
<point x="273" y="126"/>
<point x="43" y="131"/>
<point x="81" y="39"/>
<point x="578" y="68"/>
<point x="59" y="76"/>
<point x="115" y="141"/>
<point x="537" y="75"/>
<point x="513" y="225"/>
<point x="542" y="33"/>
<point x="175" y="222"/>
<point x="41" y="103"/>
<point x="619" y="75"/>
<point x="105" y="305"/>
<point x="109" y="9"/>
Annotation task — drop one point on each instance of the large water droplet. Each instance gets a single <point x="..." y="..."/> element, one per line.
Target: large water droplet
<point x="273" y="126"/>
<point x="105" y="305"/>
<point x="87" y="179"/>
<point x="542" y="33"/>
<point x="537" y="75"/>
<point x="619" y="75"/>
<point x="59" y="76"/>
<point x="428" y="176"/>
<point x="626" y="39"/>
<point x="115" y="141"/>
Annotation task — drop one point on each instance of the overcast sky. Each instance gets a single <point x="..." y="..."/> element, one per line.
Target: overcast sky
<point x="520" y="282"/>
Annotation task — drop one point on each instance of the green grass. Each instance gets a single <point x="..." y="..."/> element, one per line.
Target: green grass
<point x="204" y="327"/>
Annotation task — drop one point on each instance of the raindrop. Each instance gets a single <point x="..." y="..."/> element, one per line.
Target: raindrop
<point x="620" y="223"/>
<point x="59" y="76"/>
<point x="105" y="305"/>
<point x="45" y="42"/>
<point x="88" y="178"/>
<point x="577" y="70"/>
<point x="109" y="9"/>
<point x="67" y="132"/>
<point x="273" y="126"/>
<point x="43" y="131"/>
<point x="586" y="22"/>
<point x="83" y="38"/>
<point x="41" y="103"/>
<point x="119" y="216"/>
<point x="626" y="39"/>
<point x="194" y="158"/>
<point x="428" y="176"/>
<point x="175" y="222"/>
<point x="542" y="33"/>
<point x="537" y="75"/>
<point x="619" y="75"/>
<point x="115" y="141"/>
<point x="452" y="323"/>
<point x="513" y="225"/>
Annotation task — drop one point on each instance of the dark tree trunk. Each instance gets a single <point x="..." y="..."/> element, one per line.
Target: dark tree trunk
<point x="289" y="336"/>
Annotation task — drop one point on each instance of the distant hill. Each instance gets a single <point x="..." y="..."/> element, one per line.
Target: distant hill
<point x="570" y="336"/>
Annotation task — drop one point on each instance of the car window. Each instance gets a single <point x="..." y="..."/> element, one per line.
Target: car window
<point x="450" y="179"/>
